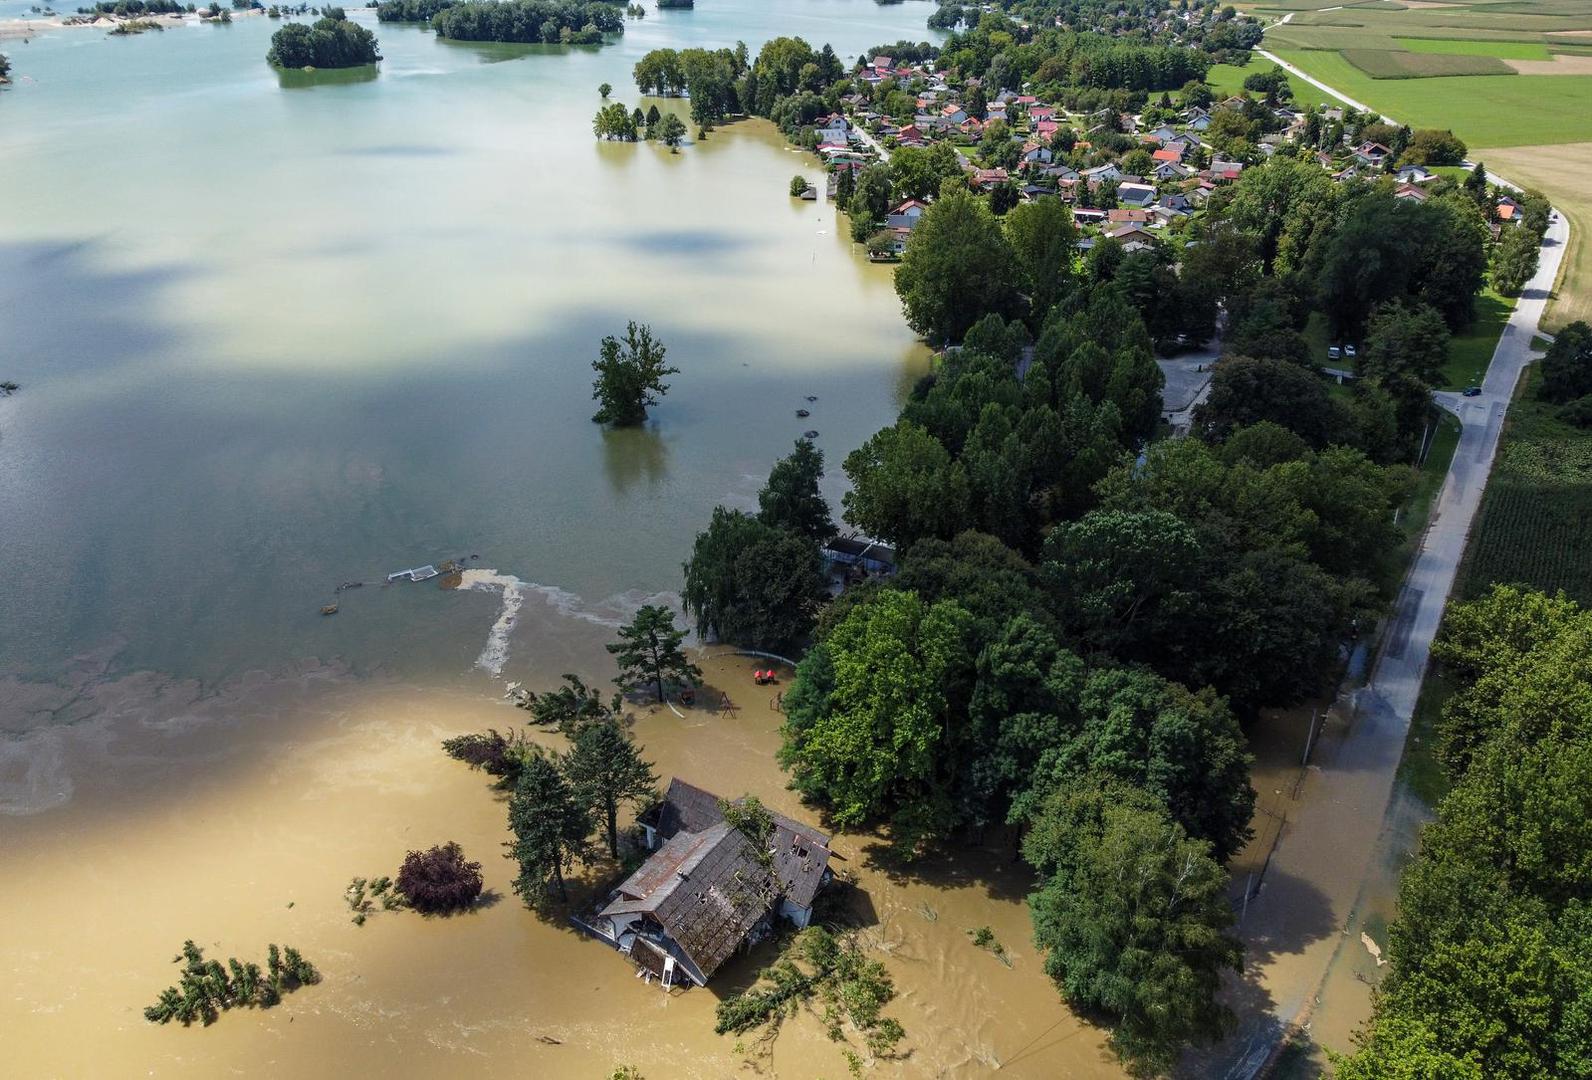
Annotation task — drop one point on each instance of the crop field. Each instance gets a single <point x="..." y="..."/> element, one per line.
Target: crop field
<point x="1532" y="528"/>
<point x="1484" y="110"/>
<point x="1504" y="50"/>
<point x="1388" y="64"/>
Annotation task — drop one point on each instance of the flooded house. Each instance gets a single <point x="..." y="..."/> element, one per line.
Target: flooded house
<point x="705" y="891"/>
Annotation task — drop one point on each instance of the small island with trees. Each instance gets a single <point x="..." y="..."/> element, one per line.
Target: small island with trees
<point x="332" y="42"/>
<point x="532" y="22"/>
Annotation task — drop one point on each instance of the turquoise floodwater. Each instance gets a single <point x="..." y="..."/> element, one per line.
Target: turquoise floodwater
<point x="277" y="333"/>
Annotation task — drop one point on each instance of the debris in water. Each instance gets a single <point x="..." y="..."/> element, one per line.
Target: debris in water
<point x="809" y="434"/>
<point x="329" y="609"/>
<point x="419" y="573"/>
<point x="812" y="397"/>
<point x="549" y="1040"/>
<point x="803" y="412"/>
<point x="350" y="585"/>
<point x="1372" y="947"/>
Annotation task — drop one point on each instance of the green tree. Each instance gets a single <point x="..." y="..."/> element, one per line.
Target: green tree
<point x="866" y="736"/>
<point x="1429" y="146"/>
<point x="332" y="42"/>
<point x="753" y="583"/>
<point x="605" y="769"/>
<point x="798" y="186"/>
<point x="604" y="90"/>
<point x="1514" y="261"/>
<point x="550" y="828"/>
<point x="649" y="652"/>
<point x="1405" y="340"/>
<point x="671" y="129"/>
<point x="1132" y="921"/>
<point x="1184" y="748"/>
<point x="791" y="499"/>
<point x="905" y="487"/>
<point x="918" y="172"/>
<point x="958" y="267"/>
<point x="1043" y="240"/>
<point x="614" y="121"/>
<point x="870" y="202"/>
<point x="1567" y="367"/>
<point x="1248" y="390"/>
<point x="630" y="376"/>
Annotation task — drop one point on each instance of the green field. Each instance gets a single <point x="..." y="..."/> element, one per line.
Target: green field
<point x="1470" y="352"/>
<point x="1484" y="110"/>
<point x="1504" y="50"/>
<point x="1395" y="64"/>
<point x="1228" y="79"/>
<point x="1532" y="528"/>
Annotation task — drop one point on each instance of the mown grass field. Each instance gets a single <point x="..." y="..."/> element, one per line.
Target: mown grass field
<point x="1533" y="525"/>
<point x="1470" y="352"/>
<point x="1227" y="79"/>
<point x="1504" y="50"/>
<point x="1484" y="110"/>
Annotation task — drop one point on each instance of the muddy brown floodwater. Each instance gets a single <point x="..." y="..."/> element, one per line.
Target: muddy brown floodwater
<point x="247" y="831"/>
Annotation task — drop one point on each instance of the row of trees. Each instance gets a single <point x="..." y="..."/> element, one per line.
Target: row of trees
<point x="614" y="122"/>
<point x="332" y="42"/>
<point x="410" y="10"/>
<point x="1488" y="973"/>
<point x="550" y="22"/>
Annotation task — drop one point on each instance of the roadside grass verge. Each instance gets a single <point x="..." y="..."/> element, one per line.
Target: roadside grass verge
<point x="1470" y="351"/>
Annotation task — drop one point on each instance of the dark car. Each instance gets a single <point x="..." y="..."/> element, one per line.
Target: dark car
<point x="1473" y="391"/>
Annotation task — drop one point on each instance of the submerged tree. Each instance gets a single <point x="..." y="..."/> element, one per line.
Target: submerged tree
<point x="571" y="707"/>
<point x="649" y="652"/>
<point x="671" y="130"/>
<point x="550" y="829"/>
<point x="630" y="376"/>
<point x="605" y="769"/>
<point x="208" y="988"/>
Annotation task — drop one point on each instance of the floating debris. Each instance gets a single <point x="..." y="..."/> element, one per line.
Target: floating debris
<point x="803" y="412"/>
<point x="419" y="573"/>
<point x="812" y="397"/>
<point x="329" y="609"/>
<point x="809" y="434"/>
<point x="351" y="585"/>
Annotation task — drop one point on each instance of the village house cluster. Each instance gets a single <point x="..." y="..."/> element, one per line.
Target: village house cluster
<point x="1053" y="147"/>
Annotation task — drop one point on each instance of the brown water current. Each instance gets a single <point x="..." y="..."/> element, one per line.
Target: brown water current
<point x="245" y="831"/>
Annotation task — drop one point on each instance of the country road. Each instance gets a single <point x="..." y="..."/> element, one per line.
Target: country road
<point x="1296" y="928"/>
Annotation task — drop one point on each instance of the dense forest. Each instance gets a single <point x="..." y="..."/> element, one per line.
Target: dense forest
<point x="550" y="22"/>
<point x="410" y="10"/>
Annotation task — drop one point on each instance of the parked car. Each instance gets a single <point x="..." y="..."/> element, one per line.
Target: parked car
<point x="1333" y="352"/>
<point x="1348" y="350"/>
<point x="1473" y="391"/>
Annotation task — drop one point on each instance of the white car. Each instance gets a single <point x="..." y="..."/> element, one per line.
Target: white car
<point x="1348" y="350"/>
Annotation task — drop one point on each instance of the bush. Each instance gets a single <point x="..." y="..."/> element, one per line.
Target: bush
<point x="440" y="881"/>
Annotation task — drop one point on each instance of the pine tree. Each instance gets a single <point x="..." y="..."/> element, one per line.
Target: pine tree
<point x="605" y="769"/>
<point x="649" y="652"/>
<point x="550" y="830"/>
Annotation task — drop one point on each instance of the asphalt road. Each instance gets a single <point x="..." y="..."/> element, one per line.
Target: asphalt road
<point x="1296" y="927"/>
